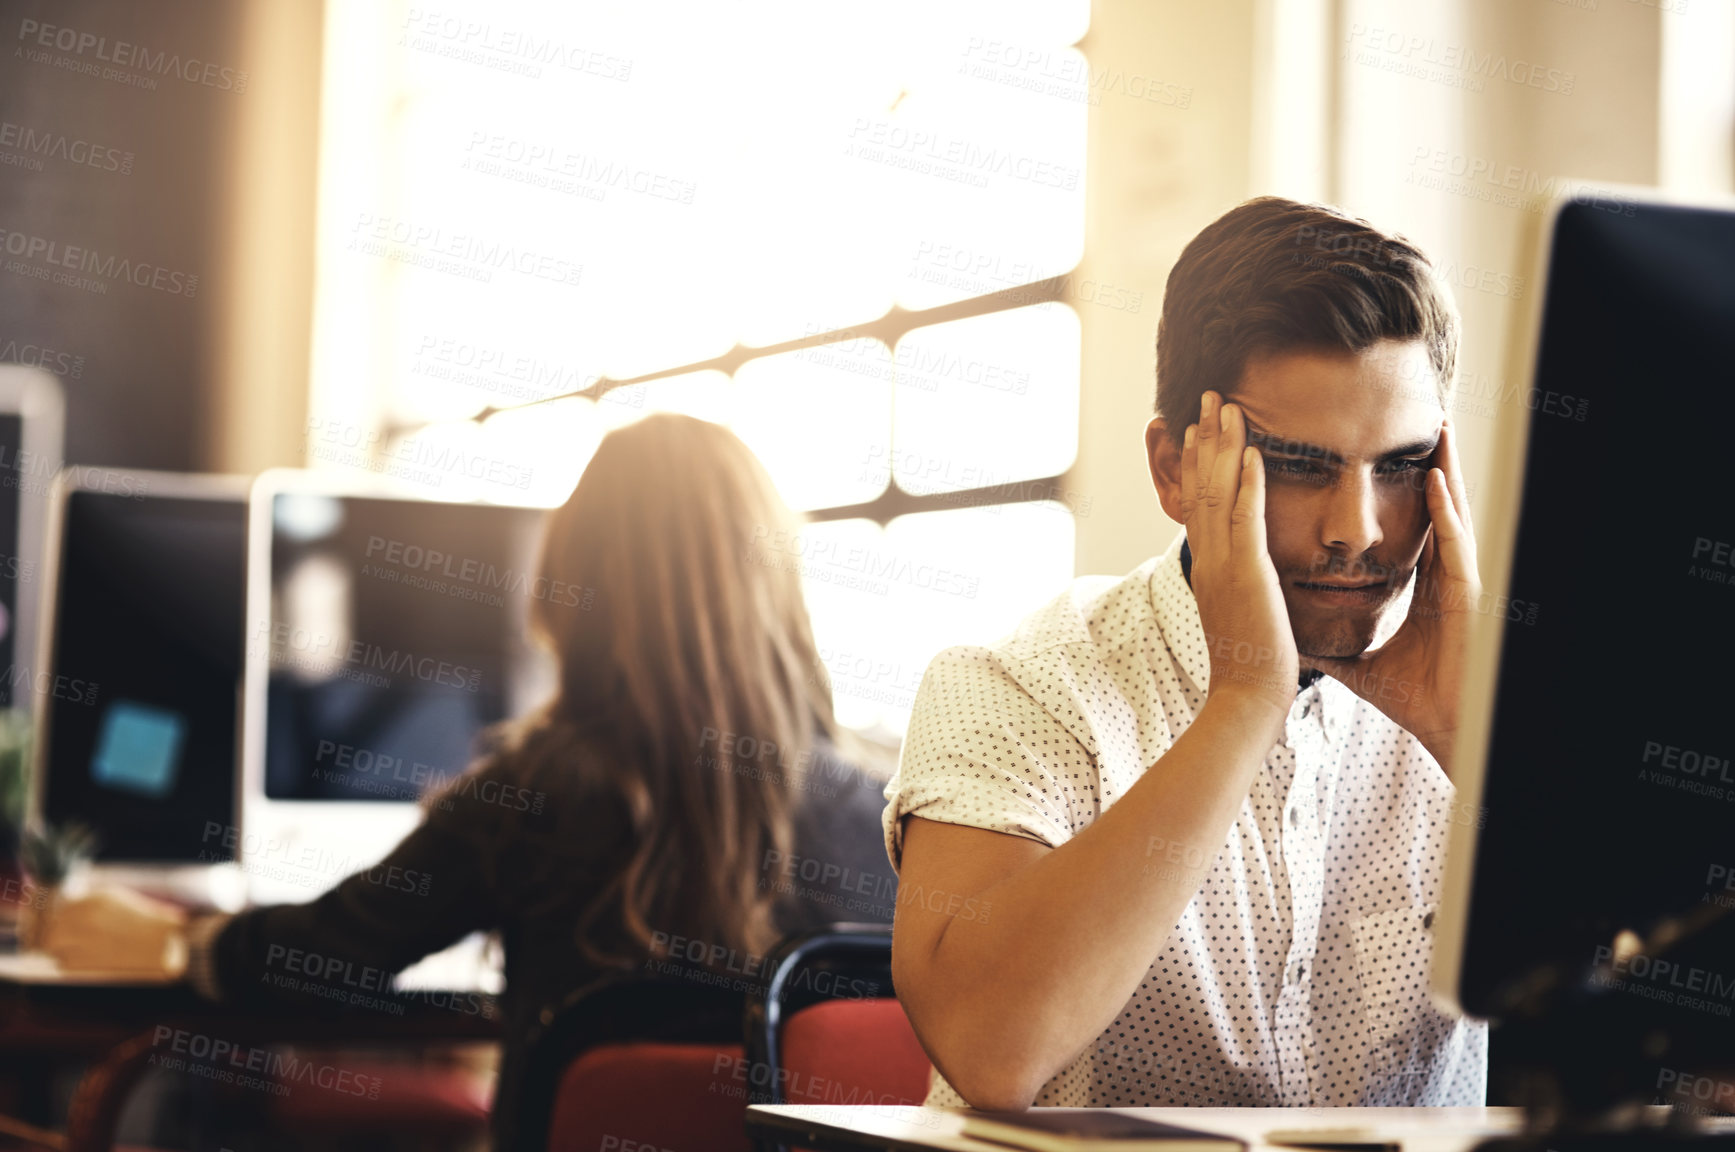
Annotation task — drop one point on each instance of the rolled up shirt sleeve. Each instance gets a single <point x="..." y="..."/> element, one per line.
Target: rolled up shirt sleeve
<point x="983" y="753"/>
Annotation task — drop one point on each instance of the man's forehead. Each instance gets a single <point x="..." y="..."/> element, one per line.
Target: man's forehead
<point x="1366" y="404"/>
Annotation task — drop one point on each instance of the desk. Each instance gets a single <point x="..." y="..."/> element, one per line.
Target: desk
<point x="117" y="1026"/>
<point x="836" y="1128"/>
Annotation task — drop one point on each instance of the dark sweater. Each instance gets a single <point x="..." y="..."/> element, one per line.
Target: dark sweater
<point x="494" y="856"/>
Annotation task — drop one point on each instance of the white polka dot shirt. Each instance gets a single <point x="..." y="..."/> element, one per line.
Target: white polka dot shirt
<point x="1298" y="974"/>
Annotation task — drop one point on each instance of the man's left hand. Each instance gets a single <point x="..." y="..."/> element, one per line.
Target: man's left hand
<point x="1416" y="677"/>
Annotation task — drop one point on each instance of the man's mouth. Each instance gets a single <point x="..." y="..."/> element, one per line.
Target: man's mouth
<point x="1345" y="591"/>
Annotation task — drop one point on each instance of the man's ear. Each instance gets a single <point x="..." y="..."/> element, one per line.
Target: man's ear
<point x="1164" y="457"/>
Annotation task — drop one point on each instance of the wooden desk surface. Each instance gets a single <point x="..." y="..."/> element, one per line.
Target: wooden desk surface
<point x="88" y="1019"/>
<point x="838" y="1128"/>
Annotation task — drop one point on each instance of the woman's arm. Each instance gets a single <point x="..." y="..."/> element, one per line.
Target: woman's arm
<point x="435" y="888"/>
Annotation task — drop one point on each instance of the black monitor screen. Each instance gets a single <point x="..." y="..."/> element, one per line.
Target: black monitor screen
<point x="1610" y="780"/>
<point x="147" y="649"/>
<point x="397" y="634"/>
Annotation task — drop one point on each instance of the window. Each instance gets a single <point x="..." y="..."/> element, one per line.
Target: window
<point x="815" y="224"/>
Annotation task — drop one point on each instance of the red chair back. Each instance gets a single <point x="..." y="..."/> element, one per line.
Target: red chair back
<point x="626" y="1097"/>
<point x="853" y="1052"/>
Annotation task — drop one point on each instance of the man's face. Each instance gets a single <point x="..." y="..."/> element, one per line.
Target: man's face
<point x="1347" y="441"/>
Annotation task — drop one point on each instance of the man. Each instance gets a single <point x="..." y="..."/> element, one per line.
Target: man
<point x="1178" y="840"/>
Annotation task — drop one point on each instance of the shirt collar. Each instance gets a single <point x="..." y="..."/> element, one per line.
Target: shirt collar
<point x="1177" y="613"/>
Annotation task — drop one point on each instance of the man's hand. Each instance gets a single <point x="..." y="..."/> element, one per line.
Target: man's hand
<point x="1247" y="632"/>
<point x="1416" y="677"/>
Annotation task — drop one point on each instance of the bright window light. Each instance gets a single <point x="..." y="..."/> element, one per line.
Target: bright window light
<point x="519" y="201"/>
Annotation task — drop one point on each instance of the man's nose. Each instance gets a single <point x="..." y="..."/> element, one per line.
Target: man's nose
<point x="1352" y="523"/>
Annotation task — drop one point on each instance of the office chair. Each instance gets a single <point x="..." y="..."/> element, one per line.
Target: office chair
<point x="829" y="1029"/>
<point x="655" y="1061"/>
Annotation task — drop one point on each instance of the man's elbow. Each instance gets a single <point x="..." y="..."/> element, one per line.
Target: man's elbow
<point x="986" y="1073"/>
<point x="994" y="1086"/>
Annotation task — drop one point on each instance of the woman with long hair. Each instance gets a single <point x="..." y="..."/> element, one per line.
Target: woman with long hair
<point x="689" y="745"/>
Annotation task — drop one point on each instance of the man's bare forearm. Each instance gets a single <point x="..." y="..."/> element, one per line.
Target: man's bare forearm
<point x="1007" y="1003"/>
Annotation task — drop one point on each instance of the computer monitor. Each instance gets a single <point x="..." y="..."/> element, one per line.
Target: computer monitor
<point x="1595" y="768"/>
<point x="137" y="733"/>
<point x="386" y="633"/>
<point x="32" y="418"/>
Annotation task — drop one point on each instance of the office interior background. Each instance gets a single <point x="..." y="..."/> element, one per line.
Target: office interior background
<point x="913" y="252"/>
<point x="388" y="226"/>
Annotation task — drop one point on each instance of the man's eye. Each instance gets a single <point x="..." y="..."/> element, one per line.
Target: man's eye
<point x="1407" y="467"/>
<point x="1279" y="466"/>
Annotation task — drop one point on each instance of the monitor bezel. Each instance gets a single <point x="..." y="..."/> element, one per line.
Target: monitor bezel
<point x="267" y="486"/>
<point x="1496" y="547"/>
<point x="35" y="395"/>
<point x="70" y="480"/>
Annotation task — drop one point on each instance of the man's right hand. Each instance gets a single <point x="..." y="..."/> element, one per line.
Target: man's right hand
<point x="1247" y="633"/>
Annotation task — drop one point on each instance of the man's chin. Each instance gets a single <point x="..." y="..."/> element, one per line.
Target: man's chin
<point x="1344" y="638"/>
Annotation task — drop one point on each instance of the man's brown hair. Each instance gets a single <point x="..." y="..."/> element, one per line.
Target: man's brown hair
<point x="1274" y="275"/>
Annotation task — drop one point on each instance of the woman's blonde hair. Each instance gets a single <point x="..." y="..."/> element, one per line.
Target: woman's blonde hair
<point x="696" y="661"/>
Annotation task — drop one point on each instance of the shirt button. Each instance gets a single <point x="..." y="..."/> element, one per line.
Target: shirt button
<point x="1295" y="817"/>
<point x="1428" y="920"/>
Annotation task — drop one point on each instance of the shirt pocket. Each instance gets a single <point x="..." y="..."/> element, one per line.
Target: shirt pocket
<point x="1405" y="1032"/>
